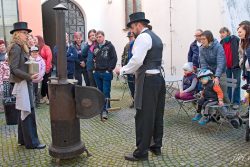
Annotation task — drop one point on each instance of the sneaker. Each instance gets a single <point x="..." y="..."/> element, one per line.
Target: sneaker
<point x="197" y="117"/>
<point x="105" y="115"/>
<point x="43" y="100"/>
<point x="236" y="106"/>
<point x="245" y="87"/>
<point x="204" y="120"/>
<point x="47" y="101"/>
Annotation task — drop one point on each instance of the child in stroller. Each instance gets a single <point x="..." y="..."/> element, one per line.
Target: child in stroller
<point x="212" y="95"/>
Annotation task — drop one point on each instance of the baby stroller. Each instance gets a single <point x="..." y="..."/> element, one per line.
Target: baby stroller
<point x="246" y="116"/>
<point x="247" y="134"/>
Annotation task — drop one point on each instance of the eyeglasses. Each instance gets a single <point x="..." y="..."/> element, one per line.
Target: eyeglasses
<point x="203" y="39"/>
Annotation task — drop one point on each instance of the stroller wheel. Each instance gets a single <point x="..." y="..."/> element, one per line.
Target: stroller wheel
<point x="247" y="137"/>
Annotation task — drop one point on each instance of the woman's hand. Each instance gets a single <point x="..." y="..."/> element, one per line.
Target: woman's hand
<point x="117" y="70"/>
<point x="181" y="93"/>
<point x="216" y="81"/>
<point x="34" y="76"/>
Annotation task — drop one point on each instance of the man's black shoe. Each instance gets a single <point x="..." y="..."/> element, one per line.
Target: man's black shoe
<point x="131" y="157"/>
<point x="155" y="151"/>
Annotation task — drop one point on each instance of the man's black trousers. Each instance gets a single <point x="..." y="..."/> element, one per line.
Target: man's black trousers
<point x="149" y="120"/>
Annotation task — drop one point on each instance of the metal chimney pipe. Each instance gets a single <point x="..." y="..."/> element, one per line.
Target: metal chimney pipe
<point x="61" y="44"/>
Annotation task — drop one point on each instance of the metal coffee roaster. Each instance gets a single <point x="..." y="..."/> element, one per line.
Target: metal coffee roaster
<point x="69" y="102"/>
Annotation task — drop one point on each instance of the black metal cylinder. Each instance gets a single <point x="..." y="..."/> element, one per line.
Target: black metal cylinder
<point x="61" y="44"/>
<point x="65" y="127"/>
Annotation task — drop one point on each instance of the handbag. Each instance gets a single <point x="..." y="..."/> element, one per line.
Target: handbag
<point x="8" y="98"/>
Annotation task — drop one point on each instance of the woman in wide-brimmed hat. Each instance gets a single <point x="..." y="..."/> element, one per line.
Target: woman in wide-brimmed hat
<point x="22" y="80"/>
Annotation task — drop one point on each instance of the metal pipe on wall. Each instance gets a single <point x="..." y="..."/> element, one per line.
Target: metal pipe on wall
<point x="171" y="37"/>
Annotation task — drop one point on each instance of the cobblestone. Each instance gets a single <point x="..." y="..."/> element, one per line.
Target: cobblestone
<point x="184" y="143"/>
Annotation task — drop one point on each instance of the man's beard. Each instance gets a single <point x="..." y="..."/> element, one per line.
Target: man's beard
<point x="136" y="35"/>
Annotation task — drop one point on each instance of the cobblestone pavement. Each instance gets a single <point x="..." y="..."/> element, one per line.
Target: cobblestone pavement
<point x="184" y="144"/>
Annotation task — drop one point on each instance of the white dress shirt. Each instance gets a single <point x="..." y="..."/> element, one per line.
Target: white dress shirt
<point x="142" y="44"/>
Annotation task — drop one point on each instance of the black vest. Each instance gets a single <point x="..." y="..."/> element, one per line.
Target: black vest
<point x="152" y="61"/>
<point x="209" y="92"/>
<point x="154" y="55"/>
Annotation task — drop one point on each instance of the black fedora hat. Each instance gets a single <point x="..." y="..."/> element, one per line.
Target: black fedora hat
<point x="20" y="26"/>
<point x="136" y="17"/>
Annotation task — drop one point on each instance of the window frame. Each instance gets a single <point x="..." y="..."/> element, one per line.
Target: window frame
<point x="3" y="23"/>
<point x="134" y="3"/>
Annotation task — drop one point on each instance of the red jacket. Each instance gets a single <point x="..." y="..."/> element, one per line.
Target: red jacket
<point x="46" y="54"/>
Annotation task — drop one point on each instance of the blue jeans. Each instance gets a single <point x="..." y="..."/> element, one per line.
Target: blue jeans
<point x="235" y="74"/>
<point x="103" y="82"/>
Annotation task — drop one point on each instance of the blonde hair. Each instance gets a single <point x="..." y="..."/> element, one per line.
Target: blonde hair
<point x="17" y="40"/>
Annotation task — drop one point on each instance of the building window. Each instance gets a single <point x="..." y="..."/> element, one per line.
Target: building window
<point x="131" y="6"/>
<point x="8" y="16"/>
<point x="74" y="19"/>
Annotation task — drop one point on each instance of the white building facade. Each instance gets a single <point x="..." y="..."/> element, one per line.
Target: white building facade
<point x="173" y="20"/>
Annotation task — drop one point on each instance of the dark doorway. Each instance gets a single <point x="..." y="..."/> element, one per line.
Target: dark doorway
<point x="74" y="20"/>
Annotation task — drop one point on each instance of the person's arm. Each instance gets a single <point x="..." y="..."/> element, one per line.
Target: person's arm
<point x="43" y="68"/>
<point x="248" y="54"/>
<point x="113" y="56"/>
<point x="181" y="86"/>
<point x="48" y="59"/>
<point x="14" y="59"/>
<point x="78" y="59"/>
<point x="235" y="51"/>
<point x="219" y="92"/>
<point x="125" y="55"/>
<point x="72" y="54"/>
<point x="142" y="44"/>
<point x="193" y="85"/>
<point x="203" y="62"/>
<point x="190" y="54"/>
<point x="221" y="62"/>
<point x="202" y="93"/>
<point x="85" y="49"/>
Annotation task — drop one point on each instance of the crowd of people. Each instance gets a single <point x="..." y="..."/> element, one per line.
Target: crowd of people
<point x="209" y="64"/>
<point x="93" y="60"/>
<point x="212" y="62"/>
